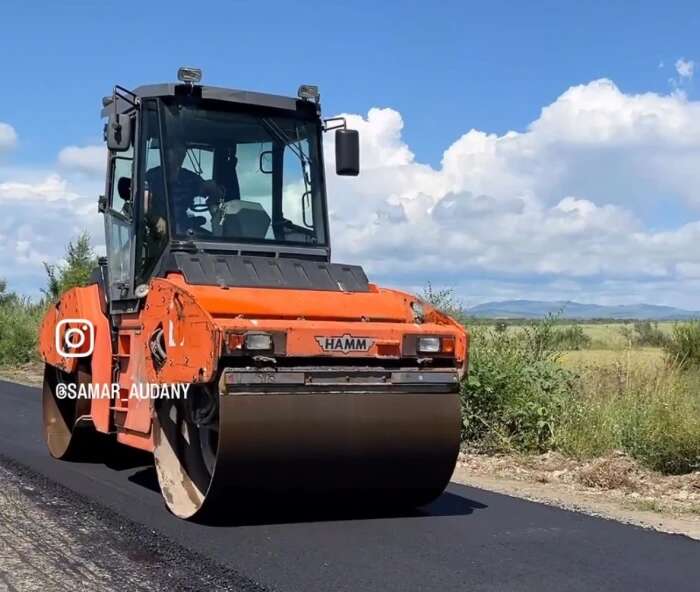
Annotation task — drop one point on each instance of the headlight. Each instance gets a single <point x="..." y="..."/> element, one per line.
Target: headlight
<point x="428" y="345"/>
<point x="258" y="342"/>
<point x="435" y="345"/>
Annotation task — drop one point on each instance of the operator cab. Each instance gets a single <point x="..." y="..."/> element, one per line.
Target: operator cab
<point x="206" y="170"/>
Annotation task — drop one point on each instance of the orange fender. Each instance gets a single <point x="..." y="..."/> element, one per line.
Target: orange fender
<point x="82" y="304"/>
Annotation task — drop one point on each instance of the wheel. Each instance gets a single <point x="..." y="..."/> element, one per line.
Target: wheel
<point x="186" y="447"/>
<point x="68" y="429"/>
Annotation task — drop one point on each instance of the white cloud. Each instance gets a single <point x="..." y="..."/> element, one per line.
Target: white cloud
<point x="685" y="68"/>
<point x="38" y="219"/>
<point x="574" y="206"/>
<point x="8" y="136"/>
<point x="86" y="159"/>
<point x="567" y="200"/>
<point x="52" y="188"/>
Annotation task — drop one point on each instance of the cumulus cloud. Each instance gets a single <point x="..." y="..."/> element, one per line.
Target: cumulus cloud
<point x="8" y="136"/>
<point x="91" y="160"/>
<point x="38" y="218"/>
<point x="572" y="206"/>
<point x="565" y="202"/>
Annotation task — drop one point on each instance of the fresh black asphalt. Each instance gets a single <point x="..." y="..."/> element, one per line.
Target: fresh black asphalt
<point x="468" y="539"/>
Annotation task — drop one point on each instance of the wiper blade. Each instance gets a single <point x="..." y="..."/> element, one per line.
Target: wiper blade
<point x="294" y="145"/>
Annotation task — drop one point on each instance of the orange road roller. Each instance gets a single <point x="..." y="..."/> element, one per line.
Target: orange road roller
<point x="217" y="333"/>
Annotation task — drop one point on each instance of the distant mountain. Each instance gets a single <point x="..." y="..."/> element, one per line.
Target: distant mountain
<point x="534" y="309"/>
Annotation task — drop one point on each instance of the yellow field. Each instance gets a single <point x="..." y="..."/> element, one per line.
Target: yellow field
<point x="611" y="335"/>
<point x="611" y="346"/>
<point x="649" y="357"/>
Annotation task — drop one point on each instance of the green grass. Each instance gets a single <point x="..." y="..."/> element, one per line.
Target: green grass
<point x="650" y="411"/>
<point x="526" y="394"/>
<point x="19" y="324"/>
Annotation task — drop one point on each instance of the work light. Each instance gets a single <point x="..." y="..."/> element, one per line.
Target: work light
<point x="308" y="92"/>
<point x="189" y="75"/>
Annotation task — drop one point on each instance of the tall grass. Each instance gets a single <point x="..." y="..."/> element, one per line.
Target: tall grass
<point x="650" y="412"/>
<point x="518" y="397"/>
<point x="683" y="349"/>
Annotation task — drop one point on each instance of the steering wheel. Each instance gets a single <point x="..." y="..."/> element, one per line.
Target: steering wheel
<point x="200" y="207"/>
<point x="204" y="207"/>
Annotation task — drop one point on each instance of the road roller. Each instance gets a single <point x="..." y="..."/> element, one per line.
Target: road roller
<point x="218" y="335"/>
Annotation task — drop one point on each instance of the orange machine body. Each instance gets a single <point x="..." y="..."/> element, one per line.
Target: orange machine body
<point x="198" y="325"/>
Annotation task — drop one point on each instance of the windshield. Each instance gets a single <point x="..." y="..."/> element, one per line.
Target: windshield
<point x="232" y="177"/>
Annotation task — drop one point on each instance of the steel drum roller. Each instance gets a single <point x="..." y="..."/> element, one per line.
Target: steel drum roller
<point x="392" y="446"/>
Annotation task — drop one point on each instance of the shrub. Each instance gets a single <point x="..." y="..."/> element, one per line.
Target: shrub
<point x="518" y="397"/>
<point x="683" y="348"/>
<point x="513" y="397"/>
<point x="648" y="334"/>
<point x="19" y="321"/>
<point x="571" y="338"/>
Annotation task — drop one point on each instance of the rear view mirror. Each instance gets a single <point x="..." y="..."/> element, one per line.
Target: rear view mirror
<point x="347" y="152"/>
<point x="118" y="132"/>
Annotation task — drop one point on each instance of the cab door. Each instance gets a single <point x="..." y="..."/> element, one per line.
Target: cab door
<point x="119" y="229"/>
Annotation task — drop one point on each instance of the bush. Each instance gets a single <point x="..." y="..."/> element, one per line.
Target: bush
<point x="518" y="397"/>
<point x="644" y="334"/>
<point x="571" y="338"/>
<point x="513" y="397"/>
<point x="648" y="334"/>
<point x="19" y="321"/>
<point x="683" y="348"/>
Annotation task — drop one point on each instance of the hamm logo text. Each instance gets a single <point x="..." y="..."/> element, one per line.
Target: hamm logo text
<point x="345" y="344"/>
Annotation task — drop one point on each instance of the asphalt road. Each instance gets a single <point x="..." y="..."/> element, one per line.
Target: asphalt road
<point x="468" y="539"/>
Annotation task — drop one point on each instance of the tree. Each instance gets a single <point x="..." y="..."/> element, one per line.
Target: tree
<point x="5" y="296"/>
<point x="80" y="261"/>
<point x="444" y="300"/>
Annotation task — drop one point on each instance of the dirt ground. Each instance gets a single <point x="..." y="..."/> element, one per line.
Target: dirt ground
<point x="614" y="487"/>
<point x="29" y="374"/>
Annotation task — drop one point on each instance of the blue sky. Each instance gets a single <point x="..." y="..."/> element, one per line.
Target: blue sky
<point x="432" y="72"/>
<point x="446" y="67"/>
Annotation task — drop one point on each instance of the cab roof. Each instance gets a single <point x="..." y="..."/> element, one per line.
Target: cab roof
<point x="215" y="93"/>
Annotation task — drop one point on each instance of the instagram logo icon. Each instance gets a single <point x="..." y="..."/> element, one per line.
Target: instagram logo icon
<point x="75" y="338"/>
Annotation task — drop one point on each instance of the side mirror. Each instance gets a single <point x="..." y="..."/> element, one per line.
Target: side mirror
<point x="265" y="164"/>
<point x="118" y="132"/>
<point x="347" y="152"/>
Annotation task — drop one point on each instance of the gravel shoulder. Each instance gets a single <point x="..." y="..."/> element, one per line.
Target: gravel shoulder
<point x="28" y="374"/>
<point x="51" y="539"/>
<point x="613" y="487"/>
